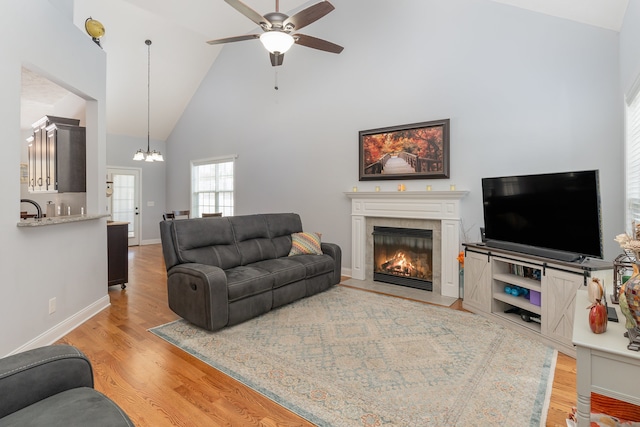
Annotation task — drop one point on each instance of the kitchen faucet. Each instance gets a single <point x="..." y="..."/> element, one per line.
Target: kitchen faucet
<point x="34" y="203"/>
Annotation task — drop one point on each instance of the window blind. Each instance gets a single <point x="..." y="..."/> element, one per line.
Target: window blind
<point x="632" y="160"/>
<point x="212" y="186"/>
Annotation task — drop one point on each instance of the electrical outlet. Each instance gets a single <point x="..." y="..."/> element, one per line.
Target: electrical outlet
<point x="52" y="305"/>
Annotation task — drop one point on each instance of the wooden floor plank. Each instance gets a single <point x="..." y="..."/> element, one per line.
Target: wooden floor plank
<point x="160" y="385"/>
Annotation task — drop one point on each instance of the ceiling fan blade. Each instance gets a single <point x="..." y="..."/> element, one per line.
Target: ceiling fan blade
<point x="276" y="59"/>
<point x="234" y="39"/>
<point x="316" y="43"/>
<point x="248" y="12"/>
<point x="309" y="15"/>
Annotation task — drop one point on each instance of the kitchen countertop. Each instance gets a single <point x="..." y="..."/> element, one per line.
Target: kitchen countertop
<point x="33" y="222"/>
<point x="117" y="223"/>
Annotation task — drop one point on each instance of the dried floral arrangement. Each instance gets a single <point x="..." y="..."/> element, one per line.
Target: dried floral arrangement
<point x="630" y="244"/>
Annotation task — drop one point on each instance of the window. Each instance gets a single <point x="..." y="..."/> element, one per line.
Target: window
<point x="212" y="186"/>
<point x="632" y="155"/>
<point x="123" y="200"/>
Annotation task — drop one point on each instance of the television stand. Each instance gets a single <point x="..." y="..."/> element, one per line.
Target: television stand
<point x="535" y="251"/>
<point x="545" y="290"/>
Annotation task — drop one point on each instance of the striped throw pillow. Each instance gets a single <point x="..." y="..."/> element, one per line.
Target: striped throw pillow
<point x="305" y="243"/>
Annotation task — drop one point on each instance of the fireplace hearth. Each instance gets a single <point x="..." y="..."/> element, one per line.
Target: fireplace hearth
<point x="403" y="256"/>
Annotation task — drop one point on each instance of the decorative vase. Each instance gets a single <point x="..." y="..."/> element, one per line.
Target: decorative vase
<point x="630" y="307"/>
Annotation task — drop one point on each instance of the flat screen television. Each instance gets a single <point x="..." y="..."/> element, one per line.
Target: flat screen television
<point x="554" y="215"/>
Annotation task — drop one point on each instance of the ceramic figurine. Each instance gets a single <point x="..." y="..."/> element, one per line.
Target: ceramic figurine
<point x="595" y="290"/>
<point x="598" y="317"/>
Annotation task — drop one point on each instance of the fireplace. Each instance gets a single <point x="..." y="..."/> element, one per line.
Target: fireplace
<point x="431" y="210"/>
<point x="403" y="256"/>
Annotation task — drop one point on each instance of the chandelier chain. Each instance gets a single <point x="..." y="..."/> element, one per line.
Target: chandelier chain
<point x="148" y="42"/>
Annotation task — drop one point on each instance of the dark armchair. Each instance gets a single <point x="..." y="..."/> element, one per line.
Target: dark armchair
<point x="53" y="386"/>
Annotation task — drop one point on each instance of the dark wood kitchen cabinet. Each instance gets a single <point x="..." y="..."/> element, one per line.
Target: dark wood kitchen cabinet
<point x="57" y="156"/>
<point x="118" y="253"/>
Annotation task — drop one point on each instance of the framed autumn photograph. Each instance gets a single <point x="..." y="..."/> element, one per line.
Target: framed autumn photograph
<point x="415" y="151"/>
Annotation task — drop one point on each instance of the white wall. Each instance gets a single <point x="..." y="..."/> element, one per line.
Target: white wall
<point x="629" y="47"/>
<point x="120" y="151"/>
<point x="68" y="262"/>
<point x="525" y="92"/>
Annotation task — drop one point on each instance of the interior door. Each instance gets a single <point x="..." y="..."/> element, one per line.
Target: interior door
<point x="124" y="203"/>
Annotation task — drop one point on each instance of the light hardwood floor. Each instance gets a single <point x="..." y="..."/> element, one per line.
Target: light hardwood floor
<point x="160" y="385"/>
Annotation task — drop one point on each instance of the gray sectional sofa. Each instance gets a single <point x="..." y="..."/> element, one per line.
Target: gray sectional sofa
<point x="224" y="271"/>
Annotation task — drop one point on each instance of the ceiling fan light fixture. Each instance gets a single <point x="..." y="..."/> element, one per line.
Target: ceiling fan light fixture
<point x="277" y="41"/>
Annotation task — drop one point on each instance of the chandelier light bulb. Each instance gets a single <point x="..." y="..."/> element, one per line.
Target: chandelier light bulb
<point x="139" y="155"/>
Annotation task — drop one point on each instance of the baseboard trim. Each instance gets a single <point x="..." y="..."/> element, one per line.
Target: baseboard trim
<point x="150" y="242"/>
<point x="345" y="271"/>
<point x="66" y="326"/>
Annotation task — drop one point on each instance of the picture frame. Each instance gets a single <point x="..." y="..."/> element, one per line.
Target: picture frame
<point x="413" y="151"/>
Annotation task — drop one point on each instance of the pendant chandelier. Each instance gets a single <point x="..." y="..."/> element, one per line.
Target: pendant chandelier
<point x="148" y="156"/>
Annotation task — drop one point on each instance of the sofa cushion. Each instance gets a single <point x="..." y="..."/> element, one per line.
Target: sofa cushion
<point x="255" y="250"/>
<point x="245" y="281"/>
<point x="283" y="270"/>
<point x="281" y="226"/>
<point x="76" y="407"/>
<point x="252" y="238"/>
<point x="315" y="264"/>
<point x="305" y="243"/>
<point x="206" y="241"/>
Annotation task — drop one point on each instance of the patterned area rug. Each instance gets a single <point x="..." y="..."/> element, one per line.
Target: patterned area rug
<point x="348" y="357"/>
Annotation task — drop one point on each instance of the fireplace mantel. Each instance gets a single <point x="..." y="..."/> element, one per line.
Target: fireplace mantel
<point x="443" y="206"/>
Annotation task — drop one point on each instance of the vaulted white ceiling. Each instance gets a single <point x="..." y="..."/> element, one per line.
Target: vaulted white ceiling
<point x="600" y="13"/>
<point x="180" y="58"/>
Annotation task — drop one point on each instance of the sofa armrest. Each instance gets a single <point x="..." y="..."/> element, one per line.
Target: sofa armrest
<point x="198" y="293"/>
<point x="334" y="252"/>
<point x="33" y="375"/>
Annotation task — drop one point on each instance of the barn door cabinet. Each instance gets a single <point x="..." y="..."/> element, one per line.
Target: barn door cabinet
<point x="477" y="282"/>
<point x="57" y="156"/>
<point x="543" y="306"/>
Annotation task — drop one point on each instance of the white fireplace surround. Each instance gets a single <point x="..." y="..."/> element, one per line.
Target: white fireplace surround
<point x="439" y="206"/>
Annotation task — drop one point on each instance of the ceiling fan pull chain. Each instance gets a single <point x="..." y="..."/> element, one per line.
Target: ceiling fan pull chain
<point x="276" y="82"/>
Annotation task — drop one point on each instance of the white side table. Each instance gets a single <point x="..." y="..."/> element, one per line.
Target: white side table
<point x="604" y="364"/>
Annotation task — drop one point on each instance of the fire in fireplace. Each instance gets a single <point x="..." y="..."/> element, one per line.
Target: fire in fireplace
<point x="403" y="256"/>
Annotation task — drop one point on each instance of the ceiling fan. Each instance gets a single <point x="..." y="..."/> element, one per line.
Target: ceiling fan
<point x="278" y="27"/>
